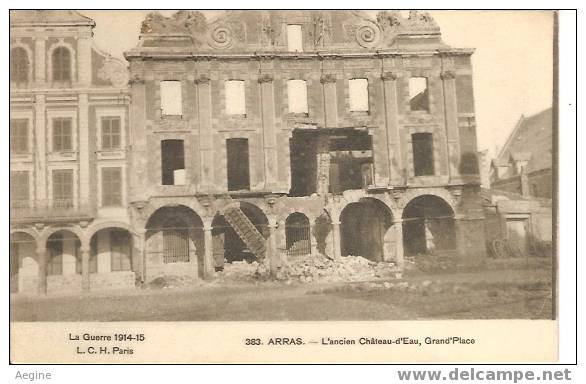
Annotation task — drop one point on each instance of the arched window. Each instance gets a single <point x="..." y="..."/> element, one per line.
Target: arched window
<point x="19" y="65"/>
<point x="61" y="64"/>
<point x="297" y="235"/>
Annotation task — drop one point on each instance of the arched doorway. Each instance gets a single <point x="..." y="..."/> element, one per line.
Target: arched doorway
<point x="297" y="235"/>
<point x="23" y="262"/>
<point x="174" y="243"/>
<point x="428" y="226"/>
<point x="111" y="251"/>
<point x="228" y="245"/>
<point x="63" y="261"/>
<point x="365" y="230"/>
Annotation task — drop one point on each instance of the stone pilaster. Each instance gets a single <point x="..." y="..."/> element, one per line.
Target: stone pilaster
<point x="274" y="262"/>
<point x="40" y="60"/>
<point x="208" y="261"/>
<point x="206" y="142"/>
<point x="336" y="239"/>
<point x="330" y="100"/>
<point x="451" y="121"/>
<point x="40" y="149"/>
<point x="84" y="152"/>
<point x="84" y="61"/>
<point x="267" y="103"/>
<point x="395" y="163"/>
<point x="399" y="251"/>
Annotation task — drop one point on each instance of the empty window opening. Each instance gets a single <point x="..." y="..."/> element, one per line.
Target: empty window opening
<point x="62" y="188"/>
<point x="422" y="154"/>
<point x="111" y="187"/>
<point x="303" y="152"/>
<point x="297" y="96"/>
<point x="294" y="38"/>
<point x="358" y="89"/>
<point x="418" y="94"/>
<point x="172" y="162"/>
<point x="19" y="65"/>
<point x="297" y="235"/>
<point x="62" y="140"/>
<point x="176" y="242"/>
<point x="235" y="97"/>
<point x="238" y="164"/>
<point x="171" y="100"/>
<point x="351" y="162"/>
<point x="111" y="133"/>
<point x="428" y="226"/>
<point x="61" y="64"/>
<point x="64" y="256"/>
<point x="19" y="136"/>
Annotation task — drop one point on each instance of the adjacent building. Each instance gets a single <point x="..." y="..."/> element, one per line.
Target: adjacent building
<point x="258" y="135"/>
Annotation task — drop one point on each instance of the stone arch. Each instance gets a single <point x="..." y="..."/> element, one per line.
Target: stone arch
<point x="111" y="247"/>
<point x="227" y="243"/>
<point x="29" y="54"/>
<point x="96" y="227"/>
<point x="441" y="193"/>
<point x="174" y="243"/>
<point x="64" y="246"/>
<point x="365" y="229"/>
<point x="297" y="234"/>
<point x="72" y="59"/>
<point x="23" y="260"/>
<point x="428" y="225"/>
<point x="81" y="235"/>
<point x="154" y="205"/>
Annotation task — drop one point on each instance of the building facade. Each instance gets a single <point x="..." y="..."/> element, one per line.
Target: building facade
<point x="68" y="158"/>
<point x="270" y="134"/>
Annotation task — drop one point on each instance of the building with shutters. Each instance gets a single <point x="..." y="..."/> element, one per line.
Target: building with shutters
<point x="69" y="224"/>
<point x="259" y="135"/>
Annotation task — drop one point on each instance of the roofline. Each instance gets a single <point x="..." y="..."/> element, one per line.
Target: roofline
<point x="158" y="53"/>
<point x="511" y="135"/>
<point x="89" y="23"/>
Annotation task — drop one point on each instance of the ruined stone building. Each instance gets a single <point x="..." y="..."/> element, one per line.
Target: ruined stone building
<point x="270" y="134"/>
<point x="68" y="126"/>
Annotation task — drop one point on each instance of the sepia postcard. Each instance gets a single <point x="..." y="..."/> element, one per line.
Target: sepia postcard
<point x="283" y="186"/>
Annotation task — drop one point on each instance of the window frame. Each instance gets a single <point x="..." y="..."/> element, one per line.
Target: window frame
<point x="366" y="90"/>
<point x="14" y="149"/>
<point x="111" y="199"/>
<point x="292" y="27"/>
<point x="28" y="68"/>
<point x="54" y="187"/>
<point x="241" y="94"/>
<point x="290" y="91"/>
<point x="162" y="98"/>
<point x="60" y="69"/>
<point x="426" y="91"/>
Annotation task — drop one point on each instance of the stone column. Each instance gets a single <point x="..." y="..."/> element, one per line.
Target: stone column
<point x="269" y="132"/>
<point x="399" y="251"/>
<point x="451" y="121"/>
<point x="40" y="149"/>
<point x="274" y="263"/>
<point x="330" y="100"/>
<point x="84" y="152"/>
<point x="336" y="239"/>
<point x="84" y="61"/>
<point x="42" y="276"/>
<point x="208" y="261"/>
<point x="40" y="60"/>
<point x="85" y="268"/>
<point x="206" y="139"/>
<point x="323" y="165"/>
<point x="395" y="160"/>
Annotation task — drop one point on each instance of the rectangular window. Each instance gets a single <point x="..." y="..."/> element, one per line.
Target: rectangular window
<point x="294" y="38"/>
<point x="62" y="140"/>
<point x="297" y="95"/>
<point x="63" y="188"/>
<point x="358" y="89"/>
<point x="238" y="164"/>
<point x="422" y="154"/>
<point x="120" y="251"/>
<point x="418" y="94"/>
<point x="19" y="189"/>
<point x="171" y="100"/>
<point x="111" y="134"/>
<point x="111" y="187"/>
<point x="19" y="136"/>
<point x="235" y="97"/>
<point x="172" y="162"/>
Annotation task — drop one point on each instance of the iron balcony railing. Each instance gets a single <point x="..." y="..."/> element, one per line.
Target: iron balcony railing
<point x="57" y="209"/>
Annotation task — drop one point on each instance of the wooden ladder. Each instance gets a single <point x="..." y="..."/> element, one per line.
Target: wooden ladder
<point x="245" y="229"/>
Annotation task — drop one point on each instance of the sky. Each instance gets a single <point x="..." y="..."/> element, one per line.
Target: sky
<point x="512" y="65"/>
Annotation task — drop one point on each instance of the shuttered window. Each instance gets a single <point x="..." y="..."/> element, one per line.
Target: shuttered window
<point x="61" y="64"/>
<point x="111" y="186"/>
<point x="19" y="136"/>
<point x="111" y="133"/>
<point x="62" y="188"/>
<point x="62" y="140"/>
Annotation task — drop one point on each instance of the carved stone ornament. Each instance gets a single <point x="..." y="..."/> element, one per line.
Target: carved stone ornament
<point x="367" y="34"/>
<point x="389" y="75"/>
<point x="114" y="71"/>
<point x="265" y="78"/>
<point x="135" y="80"/>
<point x="448" y="75"/>
<point x="202" y="79"/>
<point x="182" y="22"/>
<point x="328" y="78"/>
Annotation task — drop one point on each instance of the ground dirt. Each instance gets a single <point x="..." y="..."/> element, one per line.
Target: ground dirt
<point x="498" y="291"/>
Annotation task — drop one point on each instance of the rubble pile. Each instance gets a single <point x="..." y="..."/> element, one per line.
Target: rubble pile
<point x="243" y="271"/>
<point x="310" y="268"/>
